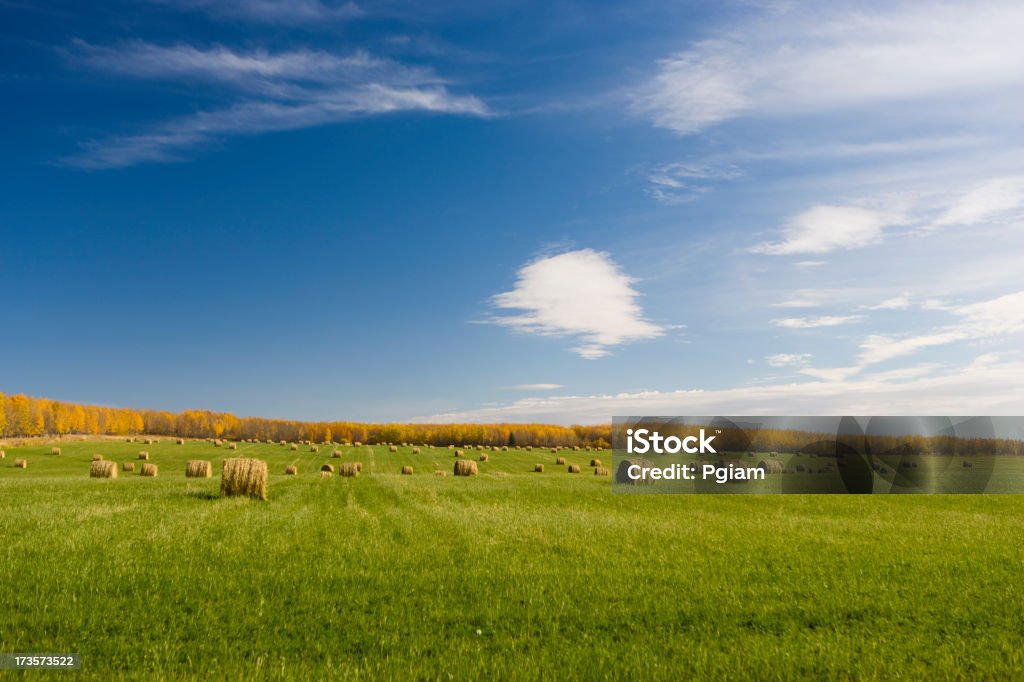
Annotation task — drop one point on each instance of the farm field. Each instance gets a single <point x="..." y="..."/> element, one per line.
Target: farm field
<point x="509" y="574"/>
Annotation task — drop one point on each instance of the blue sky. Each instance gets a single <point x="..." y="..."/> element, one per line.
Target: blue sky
<point x="514" y="212"/>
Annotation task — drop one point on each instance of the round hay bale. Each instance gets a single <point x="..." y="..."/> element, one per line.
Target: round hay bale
<point x="465" y="467"/>
<point x="968" y="465"/>
<point x="97" y="457"/>
<point x="232" y="446"/>
<point x="180" y="441"/>
<point x="554" y="450"/>
<point x="440" y="473"/>
<point x="149" y="470"/>
<point x="103" y="469"/>
<point x="217" y="442"/>
<point x="504" y="448"/>
<point x="622" y="472"/>
<point x="129" y="440"/>
<point x="198" y="468"/>
<point x="392" y="448"/>
<point x="149" y="441"/>
<point x="20" y="464"/>
<point x="2" y="454"/>
<point x="244" y="477"/>
<point x="529" y="448"/>
<point x="350" y="469"/>
<point x="595" y="462"/>
<point x="574" y="468"/>
<point x="484" y="457"/>
<point x="460" y="453"/>
<point x="357" y="444"/>
<point x="144" y="455"/>
<point x="326" y="474"/>
<point x="407" y="470"/>
<point x="538" y="468"/>
<point x="770" y="467"/>
<point x="293" y="446"/>
<point x="54" y="451"/>
<point x="336" y="453"/>
<point x="291" y="470"/>
<point x="128" y="466"/>
<point x="327" y="467"/>
<point x="314" y="448"/>
<point x="359" y="466"/>
<point x="602" y="471"/>
<point x="576" y="448"/>
<point x="415" y="451"/>
<point x="560" y="461"/>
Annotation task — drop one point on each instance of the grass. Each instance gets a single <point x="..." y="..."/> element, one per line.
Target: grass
<point x="508" y="574"/>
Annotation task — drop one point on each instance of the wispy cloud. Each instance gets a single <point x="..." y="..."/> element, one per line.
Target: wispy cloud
<point x="816" y="322"/>
<point x="787" y="359"/>
<point x="267" y="92"/>
<point x="271" y="11"/>
<point x="678" y="183"/>
<point x="823" y="59"/>
<point x="579" y="294"/>
<point x="535" y="387"/>
<point x="987" y="385"/>
<point x="900" y="302"/>
<point x="821" y="229"/>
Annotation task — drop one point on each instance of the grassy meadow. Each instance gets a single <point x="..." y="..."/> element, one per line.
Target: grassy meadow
<point x="510" y="574"/>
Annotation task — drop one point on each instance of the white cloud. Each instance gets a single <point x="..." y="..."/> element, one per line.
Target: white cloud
<point x="272" y="11"/>
<point x="984" y="202"/>
<point x="267" y="92"/>
<point x="824" y="228"/>
<point x="901" y="302"/>
<point x="830" y="373"/>
<point x="676" y="183"/>
<point x="815" y="322"/>
<point x="579" y="294"/>
<point x="787" y="359"/>
<point x="820" y="59"/>
<point x="535" y="387"/>
<point x="991" y="388"/>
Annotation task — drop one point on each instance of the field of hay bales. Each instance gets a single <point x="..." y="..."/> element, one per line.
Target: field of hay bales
<point x="505" y="574"/>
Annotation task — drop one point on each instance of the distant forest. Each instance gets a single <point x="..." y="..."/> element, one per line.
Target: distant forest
<point x="25" y="416"/>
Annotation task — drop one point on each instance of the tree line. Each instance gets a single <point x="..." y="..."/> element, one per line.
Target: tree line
<point x="26" y="416"/>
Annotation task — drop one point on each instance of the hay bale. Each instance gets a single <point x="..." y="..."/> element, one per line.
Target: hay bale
<point x="576" y="448"/>
<point x="336" y="453"/>
<point x="602" y="471"/>
<point x="54" y="451"/>
<point x="554" y="450"/>
<point x="2" y="454"/>
<point x="770" y="467"/>
<point x="968" y="465"/>
<point x="392" y="448"/>
<point x="180" y="441"/>
<point x="538" y="468"/>
<point x="415" y="451"/>
<point x="314" y="448"/>
<point x="128" y="466"/>
<point x="129" y="440"/>
<point x="350" y="469"/>
<point x="217" y="442"/>
<point x="407" y="470"/>
<point x="560" y="461"/>
<point x="327" y="467"/>
<point x="198" y="468"/>
<point x="97" y="457"/>
<point x="504" y="448"/>
<point x="244" y="477"/>
<point x="465" y="467"/>
<point x="595" y="462"/>
<point x="293" y="446"/>
<point x="460" y="453"/>
<point x="484" y="457"/>
<point x="529" y="448"/>
<point x="357" y="444"/>
<point x="574" y="468"/>
<point x="103" y="469"/>
<point x="326" y="474"/>
<point x="622" y="472"/>
<point x="451" y="447"/>
<point x="440" y="473"/>
<point x="144" y="455"/>
<point x="291" y="470"/>
<point x="232" y="446"/>
<point x="149" y="441"/>
<point x="20" y="464"/>
<point x="149" y="470"/>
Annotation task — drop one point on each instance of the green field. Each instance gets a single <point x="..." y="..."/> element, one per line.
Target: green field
<point x="510" y="574"/>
